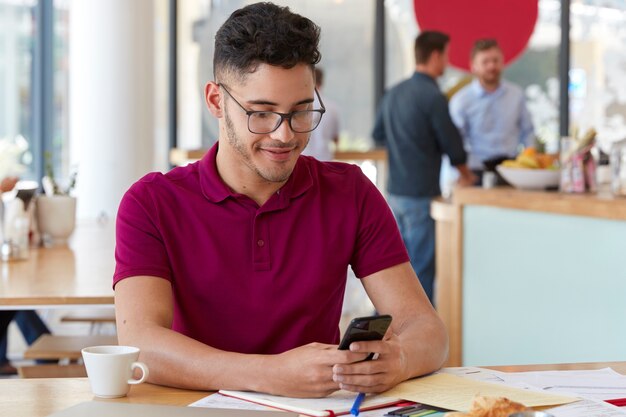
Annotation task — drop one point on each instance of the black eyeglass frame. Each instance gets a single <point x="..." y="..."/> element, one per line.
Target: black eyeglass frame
<point x="283" y="116"/>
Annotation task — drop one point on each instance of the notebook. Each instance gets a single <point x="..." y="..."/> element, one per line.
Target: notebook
<point x="338" y="403"/>
<point x="109" y="409"/>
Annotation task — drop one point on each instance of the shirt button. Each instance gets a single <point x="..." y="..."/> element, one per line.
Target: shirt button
<point x="260" y="242"/>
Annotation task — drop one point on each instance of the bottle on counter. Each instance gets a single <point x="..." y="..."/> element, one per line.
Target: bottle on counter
<point x="15" y="244"/>
<point x="618" y="168"/>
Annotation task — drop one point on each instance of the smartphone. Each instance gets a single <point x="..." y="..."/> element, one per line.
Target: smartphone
<point x="364" y="329"/>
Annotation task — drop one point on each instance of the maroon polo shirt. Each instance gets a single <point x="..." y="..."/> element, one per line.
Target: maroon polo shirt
<point x="256" y="279"/>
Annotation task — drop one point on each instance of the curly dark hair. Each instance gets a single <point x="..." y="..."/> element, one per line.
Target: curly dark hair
<point x="264" y="33"/>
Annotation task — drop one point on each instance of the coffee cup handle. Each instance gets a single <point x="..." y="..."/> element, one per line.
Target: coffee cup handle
<point x="144" y="372"/>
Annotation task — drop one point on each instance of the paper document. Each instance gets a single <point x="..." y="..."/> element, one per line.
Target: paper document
<point x="601" y="384"/>
<point x="587" y="408"/>
<point x="456" y="393"/>
<point x="475" y="373"/>
<point x="220" y="401"/>
<point x="584" y="408"/>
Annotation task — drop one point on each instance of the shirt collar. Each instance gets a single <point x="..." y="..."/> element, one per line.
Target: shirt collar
<point x="481" y="92"/>
<point x="423" y="76"/>
<point x="215" y="190"/>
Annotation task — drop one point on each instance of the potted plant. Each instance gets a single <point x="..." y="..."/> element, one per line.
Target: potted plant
<point x="56" y="208"/>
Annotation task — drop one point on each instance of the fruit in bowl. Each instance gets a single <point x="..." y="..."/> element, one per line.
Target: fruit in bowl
<point x="531" y="159"/>
<point x="531" y="170"/>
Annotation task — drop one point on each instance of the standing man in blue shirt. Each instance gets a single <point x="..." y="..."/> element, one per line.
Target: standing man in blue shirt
<point x="414" y="124"/>
<point x="490" y="112"/>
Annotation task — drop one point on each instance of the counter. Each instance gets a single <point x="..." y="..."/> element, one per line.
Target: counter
<point x="602" y="205"/>
<point x="529" y="277"/>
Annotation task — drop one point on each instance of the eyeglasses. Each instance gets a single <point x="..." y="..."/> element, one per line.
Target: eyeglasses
<point x="262" y="122"/>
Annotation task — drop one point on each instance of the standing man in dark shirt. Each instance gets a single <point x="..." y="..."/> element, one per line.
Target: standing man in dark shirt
<point x="414" y="124"/>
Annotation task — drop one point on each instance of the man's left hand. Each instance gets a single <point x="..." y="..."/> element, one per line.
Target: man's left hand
<point x="374" y="376"/>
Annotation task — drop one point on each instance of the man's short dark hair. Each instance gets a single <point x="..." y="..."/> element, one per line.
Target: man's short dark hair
<point x="483" y="45"/>
<point x="428" y="42"/>
<point x="264" y="33"/>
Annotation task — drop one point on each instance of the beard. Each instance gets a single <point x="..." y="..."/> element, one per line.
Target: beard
<point x="279" y="173"/>
<point x="492" y="77"/>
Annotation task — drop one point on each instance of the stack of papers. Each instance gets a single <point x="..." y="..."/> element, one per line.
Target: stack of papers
<point x="452" y="392"/>
<point x="593" y="387"/>
<point x="603" y="384"/>
<point x="560" y="392"/>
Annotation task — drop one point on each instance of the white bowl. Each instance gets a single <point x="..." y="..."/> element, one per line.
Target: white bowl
<point x="530" y="179"/>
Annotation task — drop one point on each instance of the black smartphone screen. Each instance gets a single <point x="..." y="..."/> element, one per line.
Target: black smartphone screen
<point x="364" y="329"/>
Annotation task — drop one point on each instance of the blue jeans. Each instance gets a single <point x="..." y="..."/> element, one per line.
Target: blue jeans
<point x="30" y="325"/>
<point x="418" y="232"/>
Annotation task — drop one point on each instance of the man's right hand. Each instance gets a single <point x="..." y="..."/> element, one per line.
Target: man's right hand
<point x="466" y="176"/>
<point x="306" y="371"/>
<point x="467" y="180"/>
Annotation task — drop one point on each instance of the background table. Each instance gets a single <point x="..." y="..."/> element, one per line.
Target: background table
<point x="78" y="274"/>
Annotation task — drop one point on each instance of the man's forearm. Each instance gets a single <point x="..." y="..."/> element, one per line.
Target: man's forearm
<point x="179" y="361"/>
<point x="425" y="345"/>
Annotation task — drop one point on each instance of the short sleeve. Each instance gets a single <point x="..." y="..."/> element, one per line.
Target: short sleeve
<point x="139" y="248"/>
<point x="378" y="244"/>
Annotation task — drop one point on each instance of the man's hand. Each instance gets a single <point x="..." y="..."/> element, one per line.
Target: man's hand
<point x="378" y="375"/>
<point x="466" y="176"/>
<point x="467" y="180"/>
<point x="307" y="371"/>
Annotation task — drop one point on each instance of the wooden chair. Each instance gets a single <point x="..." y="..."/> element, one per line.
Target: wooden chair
<point x="73" y="370"/>
<point x="65" y="347"/>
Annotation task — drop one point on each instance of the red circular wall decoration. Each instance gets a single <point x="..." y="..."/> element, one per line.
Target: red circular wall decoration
<point x="511" y="22"/>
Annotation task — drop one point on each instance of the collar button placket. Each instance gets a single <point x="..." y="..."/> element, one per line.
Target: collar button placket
<point x="260" y="242"/>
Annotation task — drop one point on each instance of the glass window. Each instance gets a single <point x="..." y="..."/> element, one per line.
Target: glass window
<point x="18" y="116"/>
<point x="536" y="71"/>
<point x="598" y="68"/>
<point x="60" y="132"/>
<point x="16" y="72"/>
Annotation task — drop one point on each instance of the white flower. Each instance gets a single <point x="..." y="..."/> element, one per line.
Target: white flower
<point x="11" y="152"/>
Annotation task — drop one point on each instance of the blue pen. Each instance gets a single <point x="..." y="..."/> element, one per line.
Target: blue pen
<point x="357" y="404"/>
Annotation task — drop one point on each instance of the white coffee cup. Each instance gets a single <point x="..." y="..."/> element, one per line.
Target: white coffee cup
<point x="110" y="369"/>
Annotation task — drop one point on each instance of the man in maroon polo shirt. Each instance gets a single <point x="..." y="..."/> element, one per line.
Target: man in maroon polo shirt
<point x="231" y="271"/>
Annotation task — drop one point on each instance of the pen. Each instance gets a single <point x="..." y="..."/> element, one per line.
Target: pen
<point x="357" y="403"/>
